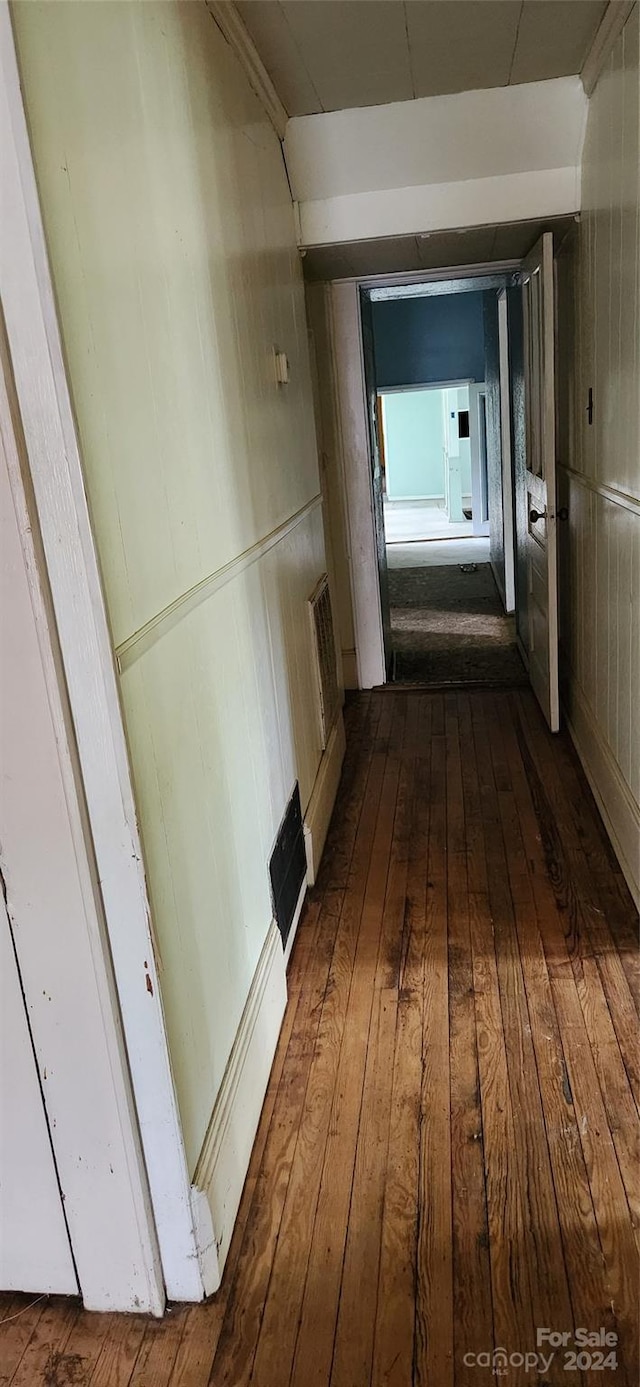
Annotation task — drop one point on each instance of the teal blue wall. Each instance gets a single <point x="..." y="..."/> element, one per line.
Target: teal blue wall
<point x="428" y="339"/>
<point x="413" y="435"/>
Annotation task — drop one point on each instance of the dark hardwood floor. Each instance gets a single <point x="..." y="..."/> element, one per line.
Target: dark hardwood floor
<point x="447" y="1160"/>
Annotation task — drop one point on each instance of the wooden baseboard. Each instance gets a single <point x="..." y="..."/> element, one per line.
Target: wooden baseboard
<point x="499" y="583"/>
<point x="524" y="654"/>
<point x="350" y="669"/>
<point x="296" y="919"/>
<point x="320" y="807"/>
<point x="436" y="500"/>
<point x="619" y="810"/>
<point x="224" y="1160"/>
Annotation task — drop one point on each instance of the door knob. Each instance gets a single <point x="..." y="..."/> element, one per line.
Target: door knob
<point x="563" y="513"/>
<point x="535" y="515"/>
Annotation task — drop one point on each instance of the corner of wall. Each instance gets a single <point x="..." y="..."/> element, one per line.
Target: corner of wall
<point x="350" y="669"/>
<point x="297" y="220"/>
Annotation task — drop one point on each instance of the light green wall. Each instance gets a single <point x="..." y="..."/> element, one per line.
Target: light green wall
<point x="414" y="434"/>
<point x="414" y="438"/>
<point x="171" y="235"/>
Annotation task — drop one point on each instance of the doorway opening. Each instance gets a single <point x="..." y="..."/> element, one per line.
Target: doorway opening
<point x="433" y="443"/>
<point x="436" y="380"/>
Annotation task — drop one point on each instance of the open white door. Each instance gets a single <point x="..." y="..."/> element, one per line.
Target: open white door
<point x="540" y="535"/>
<point x="35" y="1253"/>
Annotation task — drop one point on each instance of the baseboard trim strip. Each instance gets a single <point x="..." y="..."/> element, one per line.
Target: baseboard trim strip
<point x="224" y="1160"/>
<point x="620" y="813"/>
<point x="323" y="796"/>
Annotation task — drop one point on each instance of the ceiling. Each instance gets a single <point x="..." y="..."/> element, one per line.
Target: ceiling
<point x="327" y="55"/>
<point x="437" y="250"/>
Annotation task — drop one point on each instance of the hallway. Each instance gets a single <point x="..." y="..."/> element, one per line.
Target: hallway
<point x="447" y="1156"/>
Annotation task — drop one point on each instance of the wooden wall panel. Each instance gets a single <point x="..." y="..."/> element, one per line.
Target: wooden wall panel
<point x="172" y="241"/>
<point x="599" y="347"/>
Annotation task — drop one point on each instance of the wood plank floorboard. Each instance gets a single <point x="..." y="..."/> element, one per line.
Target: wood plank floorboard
<point x="448" y="1155"/>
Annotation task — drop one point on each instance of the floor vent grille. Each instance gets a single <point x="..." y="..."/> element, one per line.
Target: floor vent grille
<point x="288" y="866"/>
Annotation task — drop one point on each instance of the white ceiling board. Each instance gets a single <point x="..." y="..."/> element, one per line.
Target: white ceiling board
<point x="462" y="46"/>
<point x="277" y="48"/>
<point x="555" y="38"/>
<point x="328" y="55"/>
<point x="439" y="139"/>
<point x="329" y="262"/>
<point x="514" y="242"/>
<point x="467" y="247"/>
<point x="395" y="255"/>
<point x="353" y="49"/>
<point x="442" y="250"/>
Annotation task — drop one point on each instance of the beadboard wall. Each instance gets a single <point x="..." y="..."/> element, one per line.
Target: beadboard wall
<point x="171" y="235"/>
<point x="599" y="347"/>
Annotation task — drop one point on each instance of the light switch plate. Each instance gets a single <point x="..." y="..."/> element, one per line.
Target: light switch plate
<point x="282" y="367"/>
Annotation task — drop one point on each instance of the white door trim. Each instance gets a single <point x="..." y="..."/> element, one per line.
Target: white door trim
<point x="479" y="492"/>
<point x="85" y="645"/>
<point x="356" y="451"/>
<point x="509" y="537"/>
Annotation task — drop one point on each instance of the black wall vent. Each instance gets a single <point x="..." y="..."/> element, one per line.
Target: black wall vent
<point x="287" y="866"/>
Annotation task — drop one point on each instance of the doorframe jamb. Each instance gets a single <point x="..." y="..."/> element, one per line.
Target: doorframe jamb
<point x="508" y="525"/>
<point x="356" y="449"/>
<point x="477" y="390"/>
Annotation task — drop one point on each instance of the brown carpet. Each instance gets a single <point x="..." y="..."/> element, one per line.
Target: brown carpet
<point x="448" y="626"/>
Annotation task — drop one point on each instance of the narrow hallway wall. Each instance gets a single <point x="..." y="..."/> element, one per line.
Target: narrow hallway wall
<point x="599" y="348"/>
<point x="171" y="236"/>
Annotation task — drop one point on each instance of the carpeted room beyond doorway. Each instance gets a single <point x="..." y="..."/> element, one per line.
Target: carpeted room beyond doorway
<point x="448" y="626"/>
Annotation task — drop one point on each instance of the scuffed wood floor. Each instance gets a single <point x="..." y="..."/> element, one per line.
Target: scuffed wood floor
<point x="448" y="1154"/>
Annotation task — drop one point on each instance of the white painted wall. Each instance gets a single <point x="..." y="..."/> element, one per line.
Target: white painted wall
<point x="171" y="236"/>
<point x="414" y="437"/>
<point x="599" y="323"/>
<point x="505" y="154"/>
